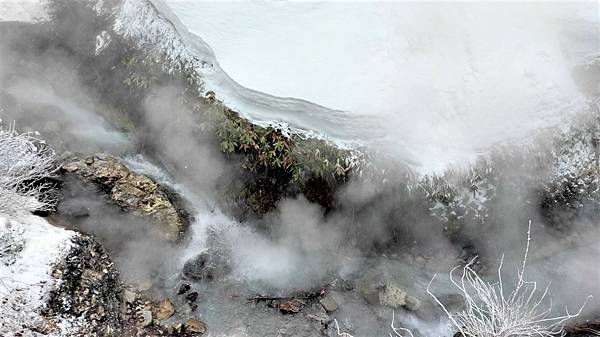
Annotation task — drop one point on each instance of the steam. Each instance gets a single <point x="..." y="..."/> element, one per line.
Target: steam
<point x="445" y="109"/>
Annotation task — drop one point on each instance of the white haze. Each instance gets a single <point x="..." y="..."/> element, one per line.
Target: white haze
<point x="443" y="80"/>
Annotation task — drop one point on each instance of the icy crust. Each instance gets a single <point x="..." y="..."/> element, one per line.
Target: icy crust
<point x="26" y="282"/>
<point x="151" y="25"/>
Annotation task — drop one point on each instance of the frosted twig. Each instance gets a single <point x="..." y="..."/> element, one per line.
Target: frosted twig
<point x="489" y="313"/>
<point x="25" y="161"/>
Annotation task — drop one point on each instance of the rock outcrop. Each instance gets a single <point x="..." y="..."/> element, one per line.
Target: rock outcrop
<point x="132" y="192"/>
<point x="88" y="287"/>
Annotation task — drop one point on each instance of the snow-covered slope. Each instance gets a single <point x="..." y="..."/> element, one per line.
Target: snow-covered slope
<point x="432" y="84"/>
<point x="438" y="81"/>
<point x="153" y="25"/>
<point x="26" y="278"/>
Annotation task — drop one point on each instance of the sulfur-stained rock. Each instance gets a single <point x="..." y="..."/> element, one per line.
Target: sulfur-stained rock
<point x="392" y="296"/>
<point x="164" y="310"/>
<point x="195" y="326"/>
<point x="130" y="191"/>
<point x="288" y="305"/>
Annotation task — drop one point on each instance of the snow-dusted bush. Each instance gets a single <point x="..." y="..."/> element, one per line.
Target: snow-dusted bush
<point x="25" y="161"/>
<point x="11" y="241"/>
<point x="492" y="312"/>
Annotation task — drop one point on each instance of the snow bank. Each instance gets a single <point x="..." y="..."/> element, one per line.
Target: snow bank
<point x="152" y="25"/>
<point x="25" y="283"/>
<point x="432" y="83"/>
<point x="23" y="10"/>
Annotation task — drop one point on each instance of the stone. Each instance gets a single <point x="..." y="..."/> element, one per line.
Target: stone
<point x="288" y="305"/>
<point x="128" y="296"/>
<point x="195" y="326"/>
<point x="412" y="303"/>
<point x="329" y="303"/>
<point x="184" y="288"/>
<point x="164" y="310"/>
<point x="192" y="297"/>
<point x="392" y="296"/>
<point x="206" y="266"/>
<point x="131" y="191"/>
<point x="144" y="317"/>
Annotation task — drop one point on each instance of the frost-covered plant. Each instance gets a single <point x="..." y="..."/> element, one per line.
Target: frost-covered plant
<point x="25" y="161"/>
<point x="16" y="316"/>
<point x="490" y="312"/>
<point x="11" y="241"/>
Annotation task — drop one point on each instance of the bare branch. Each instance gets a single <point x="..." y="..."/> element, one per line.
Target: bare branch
<point x="25" y="161"/>
<point x="489" y="313"/>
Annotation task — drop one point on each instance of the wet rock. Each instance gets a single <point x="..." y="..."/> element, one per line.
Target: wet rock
<point x="192" y="297"/>
<point x="412" y="303"/>
<point x="184" y="288"/>
<point x="287" y="305"/>
<point x="206" y="266"/>
<point x="369" y="288"/>
<point x="164" y="310"/>
<point x="130" y="191"/>
<point x="195" y="326"/>
<point x="329" y="303"/>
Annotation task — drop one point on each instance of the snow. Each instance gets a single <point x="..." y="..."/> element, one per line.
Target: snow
<point x="29" y="279"/>
<point x="23" y="10"/>
<point x="431" y="83"/>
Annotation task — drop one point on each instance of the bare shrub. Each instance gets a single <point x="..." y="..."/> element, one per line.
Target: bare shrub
<point x="25" y="161"/>
<point x="488" y="312"/>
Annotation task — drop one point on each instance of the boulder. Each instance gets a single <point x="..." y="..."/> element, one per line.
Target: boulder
<point x="207" y="266"/>
<point x="195" y="326"/>
<point x="130" y="191"/>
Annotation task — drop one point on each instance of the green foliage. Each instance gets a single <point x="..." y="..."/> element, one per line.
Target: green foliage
<point x="263" y="148"/>
<point x="281" y="164"/>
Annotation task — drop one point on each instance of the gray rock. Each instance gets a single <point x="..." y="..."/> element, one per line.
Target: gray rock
<point x="206" y="266"/>
<point x="412" y="303"/>
<point x="329" y="303"/>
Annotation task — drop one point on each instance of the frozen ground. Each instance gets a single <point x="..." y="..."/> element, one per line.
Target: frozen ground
<point x="26" y="280"/>
<point x="432" y="83"/>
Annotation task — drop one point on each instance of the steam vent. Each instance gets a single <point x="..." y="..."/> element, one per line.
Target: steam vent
<point x="183" y="168"/>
